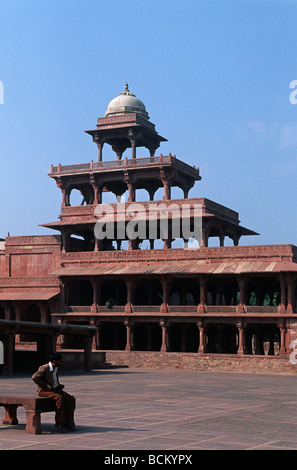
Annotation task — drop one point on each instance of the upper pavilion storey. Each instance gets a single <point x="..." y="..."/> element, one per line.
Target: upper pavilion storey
<point x="126" y="125"/>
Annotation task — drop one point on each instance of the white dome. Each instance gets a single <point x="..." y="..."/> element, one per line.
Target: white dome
<point x="126" y="102"/>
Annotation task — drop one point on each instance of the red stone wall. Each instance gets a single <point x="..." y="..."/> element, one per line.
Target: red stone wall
<point x="210" y="363"/>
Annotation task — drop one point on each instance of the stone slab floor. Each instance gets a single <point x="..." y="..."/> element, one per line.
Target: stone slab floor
<point x="140" y="409"/>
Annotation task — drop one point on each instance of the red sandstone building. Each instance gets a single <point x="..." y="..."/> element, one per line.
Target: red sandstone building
<point x="147" y="294"/>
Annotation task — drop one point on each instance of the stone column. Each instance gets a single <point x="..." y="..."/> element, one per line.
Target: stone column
<point x="132" y="138"/>
<point x="62" y="296"/>
<point x="240" y="349"/>
<point x="242" y="290"/>
<point x="164" y="336"/>
<point x="282" y="327"/>
<point x="166" y="294"/>
<point x="100" y="148"/>
<point x="201" y="337"/>
<point x="282" y="306"/>
<point x="129" y="286"/>
<point x="291" y="287"/>
<point x="94" y="307"/>
<point x="129" y="336"/>
<point x="222" y="239"/>
<point x="202" y="285"/>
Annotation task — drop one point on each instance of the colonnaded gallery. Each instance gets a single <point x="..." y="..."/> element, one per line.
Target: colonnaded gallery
<point x="141" y="273"/>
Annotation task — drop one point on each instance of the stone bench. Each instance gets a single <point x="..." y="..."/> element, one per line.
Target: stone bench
<point x="33" y="405"/>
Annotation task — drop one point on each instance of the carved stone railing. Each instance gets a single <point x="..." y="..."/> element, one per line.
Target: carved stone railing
<point x="145" y="308"/>
<point x="221" y="308"/>
<point x="182" y="308"/>
<point x="94" y="167"/>
<point x="116" y="308"/>
<point x="224" y="310"/>
<point x="262" y="309"/>
<point x="268" y="253"/>
<point x="79" y="308"/>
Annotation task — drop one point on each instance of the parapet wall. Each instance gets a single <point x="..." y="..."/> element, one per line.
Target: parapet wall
<point x="208" y="362"/>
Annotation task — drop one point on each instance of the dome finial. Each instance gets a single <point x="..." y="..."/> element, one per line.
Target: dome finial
<point x="126" y="86"/>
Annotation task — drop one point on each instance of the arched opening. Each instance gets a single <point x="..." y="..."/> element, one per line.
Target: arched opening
<point x="262" y="339"/>
<point x="263" y="291"/>
<point x="191" y="338"/>
<point x="148" y="292"/>
<point x="80" y="293"/>
<point x="81" y="241"/>
<point x="112" y="336"/>
<point x="223" y="292"/>
<point x="80" y="195"/>
<point x="175" y="337"/>
<point x="113" y="292"/>
<point x="155" y="337"/>
<point x="229" y="339"/>
<point x="184" y="292"/>
<point x="140" y="337"/>
<point x="212" y="339"/>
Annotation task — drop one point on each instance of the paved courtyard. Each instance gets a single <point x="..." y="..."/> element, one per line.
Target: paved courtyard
<point x="140" y="409"/>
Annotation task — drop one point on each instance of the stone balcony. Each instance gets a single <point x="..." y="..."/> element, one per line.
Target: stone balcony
<point x="125" y="163"/>
<point x="173" y="310"/>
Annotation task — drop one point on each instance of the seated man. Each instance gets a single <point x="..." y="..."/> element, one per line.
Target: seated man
<point x="48" y="385"/>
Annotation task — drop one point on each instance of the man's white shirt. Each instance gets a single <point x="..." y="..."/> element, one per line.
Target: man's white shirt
<point x="54" y="370"/>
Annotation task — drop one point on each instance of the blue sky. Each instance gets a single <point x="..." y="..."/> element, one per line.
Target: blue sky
<point x="214" y="76"/>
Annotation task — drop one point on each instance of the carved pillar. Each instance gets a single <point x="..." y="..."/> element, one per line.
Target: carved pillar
<point x="204" y="237"/>
<point x="131" y="190"/>
<point x="132" y="138"/>
<point x="242" y="284"/>
<point x="100" y="149"/>
<point x="202" y="304"/>
<point x="166" y="283"/>
<point x="62" y="296"/>
<point x="129" y="286"/>
<point x="235" y="238"/>
<point x="201" y="337"/>
<point x="167" y="243"/>
<point x="166" y="183"/>
<point x="164" y="346"/>
<point x="291" y="287"/>
<point x="283" y="286"/>
<point x="240" y="327"/>
<point x="95" y="304"/>
<point x="65" y="240"/>
<point x="129" y="336"/>
<point x="65" y="192"/>
<point x="222" y="239"/>
<point x="282" y="346"/>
